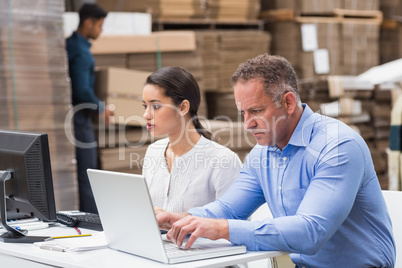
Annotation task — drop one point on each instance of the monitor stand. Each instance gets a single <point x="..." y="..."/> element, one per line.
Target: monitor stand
<point x="12" y="235"/>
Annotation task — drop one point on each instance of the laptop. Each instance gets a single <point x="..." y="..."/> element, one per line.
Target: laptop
<point x="129" y="223"/>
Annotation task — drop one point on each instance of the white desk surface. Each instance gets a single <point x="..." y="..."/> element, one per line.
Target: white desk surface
<point x="108" y="257"/>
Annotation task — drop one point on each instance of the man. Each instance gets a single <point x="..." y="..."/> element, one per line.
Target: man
<point x="314" y="172"/>
<point x="82" y="71"/>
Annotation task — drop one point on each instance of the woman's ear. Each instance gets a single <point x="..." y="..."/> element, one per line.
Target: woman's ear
<point x="184" y="107"/>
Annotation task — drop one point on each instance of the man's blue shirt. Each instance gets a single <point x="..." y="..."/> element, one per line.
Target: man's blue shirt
<point x="323" y="193"/>
<point x="82" y="70"/>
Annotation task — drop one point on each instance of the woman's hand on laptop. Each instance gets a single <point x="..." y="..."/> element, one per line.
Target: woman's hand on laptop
<point x="198" y="227"/>
<point x="167" y="219"/>
<point x="158" y="210"/>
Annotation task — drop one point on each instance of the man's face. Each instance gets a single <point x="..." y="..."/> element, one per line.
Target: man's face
<point x="267" y="123"/>
<point x="95" y="28"/>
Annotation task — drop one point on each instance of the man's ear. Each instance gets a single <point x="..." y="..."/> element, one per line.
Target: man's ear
<point x="184" y="107"/>
<point x="88" y="23"/>
<point x="289" y="102"/>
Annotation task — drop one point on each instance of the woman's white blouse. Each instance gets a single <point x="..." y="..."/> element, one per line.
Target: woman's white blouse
<point x="198" y="177"/>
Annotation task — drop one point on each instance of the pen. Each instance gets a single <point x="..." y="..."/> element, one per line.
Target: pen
<point x="78" y="230"/>
<point x="69" y="236"/>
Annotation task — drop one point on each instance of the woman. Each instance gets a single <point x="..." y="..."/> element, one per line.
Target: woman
<point x="186" y="169"/>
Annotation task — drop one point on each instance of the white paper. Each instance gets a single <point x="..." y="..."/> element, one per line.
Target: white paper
<point x="309" y="37"/>
<point x="96" y="241"/>
<point x="321" y="61"/>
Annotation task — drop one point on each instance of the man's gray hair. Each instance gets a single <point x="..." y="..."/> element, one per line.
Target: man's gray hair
<point x="276" y="73"/>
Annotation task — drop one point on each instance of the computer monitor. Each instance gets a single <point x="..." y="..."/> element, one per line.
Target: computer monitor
<point x="26" y="185"/>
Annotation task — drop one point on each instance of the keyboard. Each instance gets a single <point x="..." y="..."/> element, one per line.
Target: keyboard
<point x="76" y="218"/>
<point x="89" y="221"/>
<point x="81" y="219"/>
<point x="173" y="250"/>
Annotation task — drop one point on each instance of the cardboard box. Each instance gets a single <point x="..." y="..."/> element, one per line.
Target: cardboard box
<point x="115" y="23"/>
<point x="342" y="107"/>
<point x="128" y="111"/>
<point x="362" y="4"/>
<point x="119" y="82"/>
<point x="121" y="89"/>
<point x="126" y="6"/>
<point x="167" y="41"/>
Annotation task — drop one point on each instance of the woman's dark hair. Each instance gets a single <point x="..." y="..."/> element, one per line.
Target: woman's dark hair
<point x="179" y="85"/>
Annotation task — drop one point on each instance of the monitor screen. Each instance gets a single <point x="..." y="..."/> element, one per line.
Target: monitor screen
<point x="26" y="185"/>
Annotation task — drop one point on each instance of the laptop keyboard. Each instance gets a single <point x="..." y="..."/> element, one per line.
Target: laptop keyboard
<point x="173" y="250"/>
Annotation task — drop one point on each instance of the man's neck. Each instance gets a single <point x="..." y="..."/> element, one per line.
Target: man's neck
<point x="82" y="32"/>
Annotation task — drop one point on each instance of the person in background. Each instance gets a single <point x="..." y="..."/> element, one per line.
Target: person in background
<point x="82" y="73"/>
<point x="185" y="169"/>
<point x="315" y="173"/>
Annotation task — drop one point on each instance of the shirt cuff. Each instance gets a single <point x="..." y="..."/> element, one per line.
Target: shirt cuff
<point x="198" y="211"/>
<point x="242" y="233"/>
<point x="101" y="106"/>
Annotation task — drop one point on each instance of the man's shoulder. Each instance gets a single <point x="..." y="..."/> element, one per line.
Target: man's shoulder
<point x="72" y="45"/>
<point x="71" y="40"/>
<point x="329" y="131"/>
<point x="75" y="45"/>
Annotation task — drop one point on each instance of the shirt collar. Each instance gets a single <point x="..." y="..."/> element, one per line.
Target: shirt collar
<point x="302" y="134"/>
<point x="82" y="39"/>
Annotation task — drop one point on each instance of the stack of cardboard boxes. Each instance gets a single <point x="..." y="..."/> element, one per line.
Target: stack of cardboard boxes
<point x="121" y="88"/>
<point x="150" y="52"/>
<point x="360" y="104"/>
<point x="290" y="39"/>
<point x="391" y="31"/>
<point x="232" y="48"/>
<point x="178" y="9"/>
<point x="349" y="34"/>
<point x="319" y="46"/>
<point x="326" y="38"/>
<point x="233" y="10"/>
<point x="189" y="9"/>
<point x="324" y="6"/>
<point x="123" y="6"/>
<point x="34" y="88"/>
<point x="391" y="8"/>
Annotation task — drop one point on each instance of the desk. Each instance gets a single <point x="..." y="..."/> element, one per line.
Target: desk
<point x="29" y="255"/>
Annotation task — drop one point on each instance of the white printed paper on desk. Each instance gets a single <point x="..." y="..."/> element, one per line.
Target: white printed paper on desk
<point x="95" y="241"/>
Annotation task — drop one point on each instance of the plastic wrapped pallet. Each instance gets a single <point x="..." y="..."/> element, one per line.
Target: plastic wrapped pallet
<point x="35" y="91"/>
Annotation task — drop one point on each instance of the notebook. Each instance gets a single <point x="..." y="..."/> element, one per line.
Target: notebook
<point x="129" y="223"/>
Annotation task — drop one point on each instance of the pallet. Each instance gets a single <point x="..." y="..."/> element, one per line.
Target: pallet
<point x="338" y="15"/>
<point x="388" y="24"/>
<point x="278" y="15"/>
<point x="208" y="24"/>
<point x="358" y="16"/>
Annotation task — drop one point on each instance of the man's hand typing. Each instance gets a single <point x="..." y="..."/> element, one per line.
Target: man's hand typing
<point x="198" y="227"/>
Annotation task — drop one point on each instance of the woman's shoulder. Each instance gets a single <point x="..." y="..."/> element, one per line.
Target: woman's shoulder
<point x="159" y="144"/>
<point x="215" y="148"/>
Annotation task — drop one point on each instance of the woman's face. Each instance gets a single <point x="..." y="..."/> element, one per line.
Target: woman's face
<point x="162" y="116"/>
